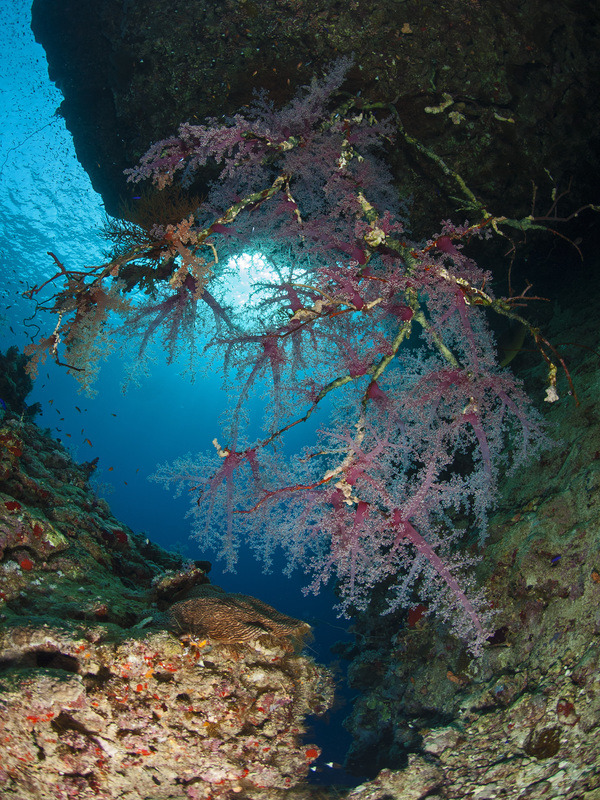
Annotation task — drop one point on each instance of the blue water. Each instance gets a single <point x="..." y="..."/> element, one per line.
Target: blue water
<point x="47" y="204"/>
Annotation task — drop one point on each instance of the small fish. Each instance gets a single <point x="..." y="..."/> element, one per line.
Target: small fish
<point x="88" y="441"/>
<point x="78" y="409"/>
<point x="110" y="469"/>
<point x="2" y="403"/>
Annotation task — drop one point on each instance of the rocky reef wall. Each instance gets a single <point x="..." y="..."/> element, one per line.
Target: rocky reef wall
<point x="123" y="673"/>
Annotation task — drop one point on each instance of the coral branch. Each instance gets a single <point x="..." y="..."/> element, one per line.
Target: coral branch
<point x="387" y="336"/>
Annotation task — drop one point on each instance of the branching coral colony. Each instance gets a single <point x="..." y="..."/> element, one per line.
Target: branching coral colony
<point x="393" y="333"/>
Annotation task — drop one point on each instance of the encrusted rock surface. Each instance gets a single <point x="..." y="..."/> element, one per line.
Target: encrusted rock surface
<point x="90" y="712"/>
<point x="523" y="720"/>
<point x="98" y="699"/>
<point x="504" y="92"/>
<point x="420" y="779"/>
<point x="58" y="540"/>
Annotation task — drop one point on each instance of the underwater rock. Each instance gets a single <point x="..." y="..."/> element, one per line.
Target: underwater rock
<point x="491" y="89"/>
<point x="522" y="720"/>
<point x="96" y="700"/>
<point x="418" y="781"/>
<point x="60" y="546"/>
<point x="88" y="711"/>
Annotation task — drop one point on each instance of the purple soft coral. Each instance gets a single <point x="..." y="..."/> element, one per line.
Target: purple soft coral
<point x="393" y="332"/>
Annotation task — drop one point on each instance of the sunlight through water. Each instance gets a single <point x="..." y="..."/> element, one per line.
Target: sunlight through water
<point x="241" y="276"/>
